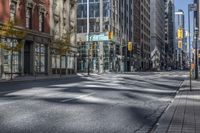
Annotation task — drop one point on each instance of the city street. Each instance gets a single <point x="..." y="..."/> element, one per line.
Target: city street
<point x="108" y="103"/>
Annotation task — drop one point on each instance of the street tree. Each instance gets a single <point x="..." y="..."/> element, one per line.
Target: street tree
<point x="16" y="37"/>
<point x="62" y="47"/>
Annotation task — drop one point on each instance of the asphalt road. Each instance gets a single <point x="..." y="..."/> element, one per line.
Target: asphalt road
<point x="109" y="103"/>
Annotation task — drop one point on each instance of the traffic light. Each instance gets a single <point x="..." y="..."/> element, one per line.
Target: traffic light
<point x="110" y="35"/>
<point x="94" y="46"/>
<point x="180" y="33"/>
<point x="180" y="44"/>
<point x="130" y="46"/>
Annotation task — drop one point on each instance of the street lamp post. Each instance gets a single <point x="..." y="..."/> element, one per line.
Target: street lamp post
<point x="196" y="55"/>
<point x="88" y="33"/>
<point x="88" y="59"/>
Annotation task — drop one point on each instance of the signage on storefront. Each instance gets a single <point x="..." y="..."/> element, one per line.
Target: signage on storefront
<point x="100" y="37"/>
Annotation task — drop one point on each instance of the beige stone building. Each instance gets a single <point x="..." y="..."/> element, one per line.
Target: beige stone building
<point x="62" y="24"/>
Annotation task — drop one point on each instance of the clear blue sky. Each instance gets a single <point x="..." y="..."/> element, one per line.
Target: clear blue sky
<point x="183" y="4"/>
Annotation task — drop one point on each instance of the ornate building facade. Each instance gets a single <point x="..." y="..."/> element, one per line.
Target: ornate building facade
<point x="31" y="16"/>
<point x="43" y="21"/>
<point x="63" y="23"/>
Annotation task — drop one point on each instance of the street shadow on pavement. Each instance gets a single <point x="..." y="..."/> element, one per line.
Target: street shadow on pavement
<point x="17" y="86"/>
<point x="86" y="105"/>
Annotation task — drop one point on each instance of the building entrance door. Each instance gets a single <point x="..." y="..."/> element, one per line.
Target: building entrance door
<point x="28" y="62"/>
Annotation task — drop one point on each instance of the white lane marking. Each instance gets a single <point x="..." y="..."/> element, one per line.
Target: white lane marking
<point x="76" y="98"/>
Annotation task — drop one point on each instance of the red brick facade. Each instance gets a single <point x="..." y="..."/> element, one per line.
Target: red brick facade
<point x="21" y="13"/>
<point x="4" y="10"/>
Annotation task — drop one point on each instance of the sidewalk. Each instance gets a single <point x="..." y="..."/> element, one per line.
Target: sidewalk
<point x="183" y="115"/>
<point x="38" y="78"/>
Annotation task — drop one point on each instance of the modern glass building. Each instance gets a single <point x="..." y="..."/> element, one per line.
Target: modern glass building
<point x="126" y="22"/>
<point x="181" y="53"/>
<point x="96" y="19"/>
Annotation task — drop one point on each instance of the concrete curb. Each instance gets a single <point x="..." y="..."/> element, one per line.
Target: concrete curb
<point x="28" y="79"/>
<point x="162" y="115"/>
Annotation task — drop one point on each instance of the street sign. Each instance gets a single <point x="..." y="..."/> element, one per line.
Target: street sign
<point x="180" y="33"/>
<point x="180" y="44"/>
<point x="97" y="38"/>
<point x="130" y="46"/>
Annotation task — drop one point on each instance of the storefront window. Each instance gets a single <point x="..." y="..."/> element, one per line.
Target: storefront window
<point x="8" y="54"/>
<point x="7" y="62"/>
<point x="70" y="62"/>
<point x="40" y="63"/>
<point x="56" y="61"/>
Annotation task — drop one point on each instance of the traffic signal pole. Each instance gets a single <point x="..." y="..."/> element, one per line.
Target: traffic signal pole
<point x="88" y="33"/>
<point x="190" y="62"/>
<point x="196" y="56"/>
<point x="192" y="7"/>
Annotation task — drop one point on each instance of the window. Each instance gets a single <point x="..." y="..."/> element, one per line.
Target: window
<point x="29" y="18"/>
<point x="8" y="55"/>
<point x="56" y="61"/>
<point x="94" y="10"/>
<point x="40" y="52"/>
<point x="41" y="21"/>
<point x="13" y="6"/>
<point x="82" y="26"/>
<point x="82" y="11"/>
<point x="106" y="8"/>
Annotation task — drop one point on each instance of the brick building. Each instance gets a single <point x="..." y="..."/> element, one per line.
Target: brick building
<point x="32" y="16"/>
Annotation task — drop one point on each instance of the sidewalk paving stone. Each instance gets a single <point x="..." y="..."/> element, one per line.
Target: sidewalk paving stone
<point x="183" y="115"/>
